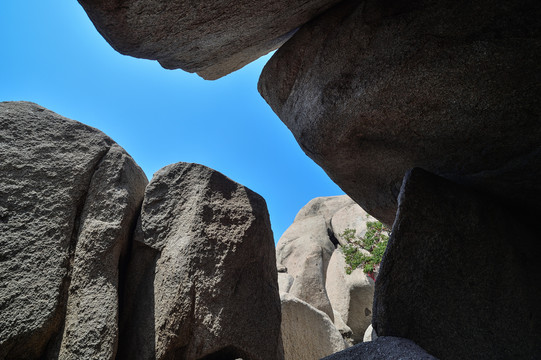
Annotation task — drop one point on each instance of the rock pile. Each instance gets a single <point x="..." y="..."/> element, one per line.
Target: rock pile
<point x="313" y="274"/>
<point x="190" y="273"/>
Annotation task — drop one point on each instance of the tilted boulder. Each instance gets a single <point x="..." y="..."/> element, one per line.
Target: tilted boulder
<point x="350" y="295"/>
<point x="307" y="333"/>
<point x="69" y="196"/>
<point x="383" y="348"/>
<point x="371" y="89"/>
<point x="212" y="38"/>
<point x="461" y="274"/>
<point x="203" y="280"/>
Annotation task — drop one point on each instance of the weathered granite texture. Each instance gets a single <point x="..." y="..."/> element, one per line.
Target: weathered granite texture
<point x="203" y="280"/>
<point x="373" y="88"/>
<point x="461" y="274"/>
<point x="212" y="38"/>
<point x="68" y="198"/>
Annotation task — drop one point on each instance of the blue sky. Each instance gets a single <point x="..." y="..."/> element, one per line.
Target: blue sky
<point x="53" y="55"/>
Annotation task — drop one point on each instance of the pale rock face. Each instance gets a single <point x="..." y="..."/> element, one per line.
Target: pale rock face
<point x="370" y="334"/>
<point x="307" y="333"/>
<point x="68" y="197"/>
<point x="285" y="281"/>
<point x="212" y="38"/>
<point x="351" y="216"/>
<point x="204" y="271"/>
<point x="305" y="250"/>
<point x="373" y="88"/>
<point x="350" y="295"/>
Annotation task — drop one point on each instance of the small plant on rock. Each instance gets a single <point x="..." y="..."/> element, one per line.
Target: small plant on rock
<point x="374" y="242"/>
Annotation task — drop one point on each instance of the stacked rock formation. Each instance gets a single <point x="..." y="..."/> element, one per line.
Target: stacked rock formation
<point x="371" y="89"/>
<point x="312" y="274"/>
<point x="190" y="275"/>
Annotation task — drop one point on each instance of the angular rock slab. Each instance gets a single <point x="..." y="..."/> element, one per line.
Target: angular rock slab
<point x="212" y="38"/>
<point x="461" y="274"/>
<point x="68" y="198"/>
<point x="203" y="280"/>
<point x="383" y="348"/>
<point x="307" y="333"/>
<point x="371" y="89"/>
<point x="350" y="295"/>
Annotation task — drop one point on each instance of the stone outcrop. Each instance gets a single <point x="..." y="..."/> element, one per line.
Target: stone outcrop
<point x="212" y="38"/>
<point x="68" y="198"/>
<point x="461" y="273"/>
<point x="305" y="250"/>
<point x="350" y="295"/>
<point x="312" y="270"/>
<point x="307" y="333"/>
<point x="371" y="89"/>
<point x="383" y="348"/>
<point x="204" y="281"/>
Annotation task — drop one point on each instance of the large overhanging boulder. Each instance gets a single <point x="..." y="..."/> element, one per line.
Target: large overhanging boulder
<point x="212" y="38"/>
<point x="371" y="89"/>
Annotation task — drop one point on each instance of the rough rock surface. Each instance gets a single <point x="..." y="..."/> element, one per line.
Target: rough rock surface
<point x="371" y="89"/>
<point x="305" y="250"/>
<point x="350" y="295"/>
<point x="307" y="333"/>
<point x="203" y="271"/>
<point x="68" y="198"/>
<point x="212" y="38"/>
<point x="383" y="348"/>
<point x="461" y="273"/>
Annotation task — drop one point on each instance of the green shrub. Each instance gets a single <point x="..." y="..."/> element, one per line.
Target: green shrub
<point x="374" y="241"/>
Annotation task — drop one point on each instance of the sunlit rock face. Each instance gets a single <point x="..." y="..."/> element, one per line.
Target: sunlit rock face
<point x="69" y="196"/>
<point x="371" y="89"/>
<point x="212" y="38"/>
<point x="202" y="277"/>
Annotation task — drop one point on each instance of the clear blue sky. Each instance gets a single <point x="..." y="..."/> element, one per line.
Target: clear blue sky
<point x="51" y="54"/>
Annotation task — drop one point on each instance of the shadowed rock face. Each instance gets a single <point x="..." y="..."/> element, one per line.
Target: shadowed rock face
<point x="212" y="38"/>
<point x="203" y="281"/>
<point x="383" y="349"/>
<point x="68" y="198"/>
<point x="461" y="274"/>
<point x="371" y="89"/>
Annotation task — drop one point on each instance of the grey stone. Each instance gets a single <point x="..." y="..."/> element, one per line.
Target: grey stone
<point x="307" y="333"/>
<point x="68" y="197"/>
<point x="212" y="38"/>
<point x="373" y="88"/>
<point x="383" y="348"/>
<point x="460" y="274"/>
<point x="203" y="277"/>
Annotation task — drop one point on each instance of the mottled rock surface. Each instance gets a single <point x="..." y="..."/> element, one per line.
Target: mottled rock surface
<point x="350" y="295"/>
<point x="68" y="197"/>
<point x="461" y="274"/>
<point x="371" y="89"/>
<point x="307" y="333"/>
<point x="383" y="348"/>
<point x="212" y="38"/>
<point x="203" y="271"/>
